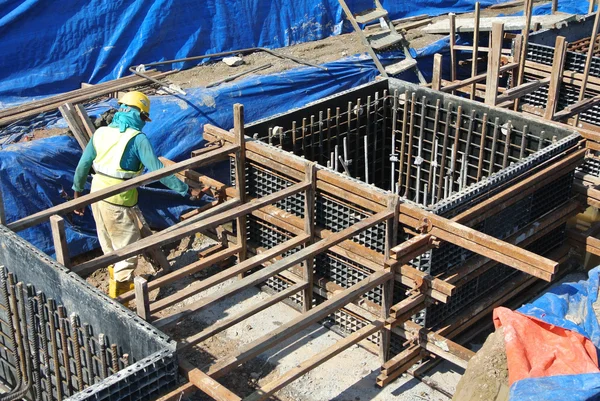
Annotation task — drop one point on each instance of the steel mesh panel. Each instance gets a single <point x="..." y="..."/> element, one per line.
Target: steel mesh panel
<point x="345" y="273"/>
<point x="550" y="196"/>
<point x="346" y="321"/>
<point x="336" y="216"/>
<point x="590" y="166"/>
<point x="278" y="283"/>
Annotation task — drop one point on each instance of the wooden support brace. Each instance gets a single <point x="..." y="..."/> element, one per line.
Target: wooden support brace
<point x="435" y="343"/>
<point x="519" y="91"/>
<point x="475" y="48"/>
<point x="285" y="331"/>
<point x="558" y="63"/>
<point x="142" y="300"/>
<point x="309" y="229"/>
<point x="206" y="384"/>
<point x="68" y="112"/>
<point x="277" y="267"/>
<point x="57" y="224"/>
<point x="528" y="8"/>
<point x="88" y="199"/>
<point x="491" y="88"/>
<point x="220" y="277"/>
<point x="391" y="238"/>
<point x="270" y="388"/>
<point x="166" y="237"/>
<point x="478" y="78"/>
<point x="452" y="18"/>
<point x="240" y="178"/>
<point x="436" y="79"/>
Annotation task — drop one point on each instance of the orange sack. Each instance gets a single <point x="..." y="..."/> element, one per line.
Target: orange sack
<point x="536" y="349"/>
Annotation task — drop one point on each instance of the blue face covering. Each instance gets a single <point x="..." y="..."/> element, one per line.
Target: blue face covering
<point x="127" y="117"/>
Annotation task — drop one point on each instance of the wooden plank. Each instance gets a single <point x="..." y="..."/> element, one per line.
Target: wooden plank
<point x="511" y="23"/>
<point x="277" y="267"/>
<point x="240" y="177"/>
<point x="528" y="11"/>
<point x="576" y="108"/>
<point x="238" y="317"/>
<point x="408" y="246"/>
<point x="309" y="229"/>
<point x="225" y="275"/>
<point x="452" y="19"/>
<point x="88" y="199"/>
<point x="205" y="383"/>
<point x="486" y="245"/>
<point x="475" y="54"/>
<point x="519" y="91"/>
<point x="304" y="367"/>
<point x="177" y="234"/>
<point x="57" y="224"/>
<point x="285" y="331"/>
<point x="31" y="109"/>
<point x="72" y="120"/>
<point x="558" y="63"/>
<point x="387" y="289"/>
<point x="478" y="78"/>
<point x="491" y="88"/>
<point x="436" y="79"/>
<point x="435" y="343"/>
<point x="142" y="300"/>
<point x="86" y="122"/>
<point x="180" y="393"/>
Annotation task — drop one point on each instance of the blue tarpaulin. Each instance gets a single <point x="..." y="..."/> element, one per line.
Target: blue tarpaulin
<point x="569" y="306"/>
<point x="49" y="47"/>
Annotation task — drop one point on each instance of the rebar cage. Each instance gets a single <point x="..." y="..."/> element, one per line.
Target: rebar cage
<point x="440" y="152"/>
<point x="63" y="339"/>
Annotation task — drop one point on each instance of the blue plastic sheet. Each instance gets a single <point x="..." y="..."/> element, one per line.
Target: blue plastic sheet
<point x="568" y="306"/>
<point x="48" y="47"/>
<point x="33" y="174"/>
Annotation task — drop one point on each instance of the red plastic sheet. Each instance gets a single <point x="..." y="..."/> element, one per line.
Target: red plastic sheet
<point x="537" y="349"/>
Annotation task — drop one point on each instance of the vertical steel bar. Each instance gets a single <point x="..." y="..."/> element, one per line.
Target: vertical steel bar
<point x="523" y="142"/>
<point x="434" y="164"/>
<point x="65" y="347"/>
<point x="77" y="350"/>
<point x="403" y="141"/>
<point x="482" y="145"/>
<point x="420" y="148"/>
<point x="337" y="168"/>
<point x="366" y="145"/>
<point x="375" y="135"/>
<point x="35" y="346"/>
<point x="507" y="141"/>
<point x="303" y="139"/>
<point x="456" y="147"/>
<point x="393" y="154"/>
<point x="337" y="127"/>
<point x="321" y="147"/>
<point x="114" y="353"/>
<point x="384" y="132"/>
<point x="441" y="181"/>
<point x="329" y="131"/>
<point x="88" y="353"/>
<point x="312" y="138"/>
<point x="103" y="360"/>
<point x="294" y="150"/>
<point x="410" y="143"/>
<point x="493" y="150"/>
<point x="356" y="163"/>
<point x="51" y="305"/>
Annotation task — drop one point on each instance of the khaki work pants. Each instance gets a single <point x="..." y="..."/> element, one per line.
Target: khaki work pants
<point x="117" y="228"/>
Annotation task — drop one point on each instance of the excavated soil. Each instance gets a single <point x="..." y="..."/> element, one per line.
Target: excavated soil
<point x="486" y="377"/>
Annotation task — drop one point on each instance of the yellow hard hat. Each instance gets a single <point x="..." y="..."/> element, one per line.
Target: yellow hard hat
<point x="136" y="99"/>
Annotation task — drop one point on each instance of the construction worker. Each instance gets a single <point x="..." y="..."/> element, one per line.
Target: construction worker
<point x="117" y="153"/>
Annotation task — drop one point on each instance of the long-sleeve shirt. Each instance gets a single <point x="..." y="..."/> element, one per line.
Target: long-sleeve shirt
<point x="138" y="150"/>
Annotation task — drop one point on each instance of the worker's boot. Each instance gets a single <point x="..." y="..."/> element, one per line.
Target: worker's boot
<point x="117" y="288"/>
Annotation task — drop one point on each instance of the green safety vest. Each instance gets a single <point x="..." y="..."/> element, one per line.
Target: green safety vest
<point x="110" y="145"/>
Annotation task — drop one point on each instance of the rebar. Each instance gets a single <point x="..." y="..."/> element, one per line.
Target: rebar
<point x="65" y="347"/>
<point x="54" y="346"/>
<point x="77" y="350"/>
